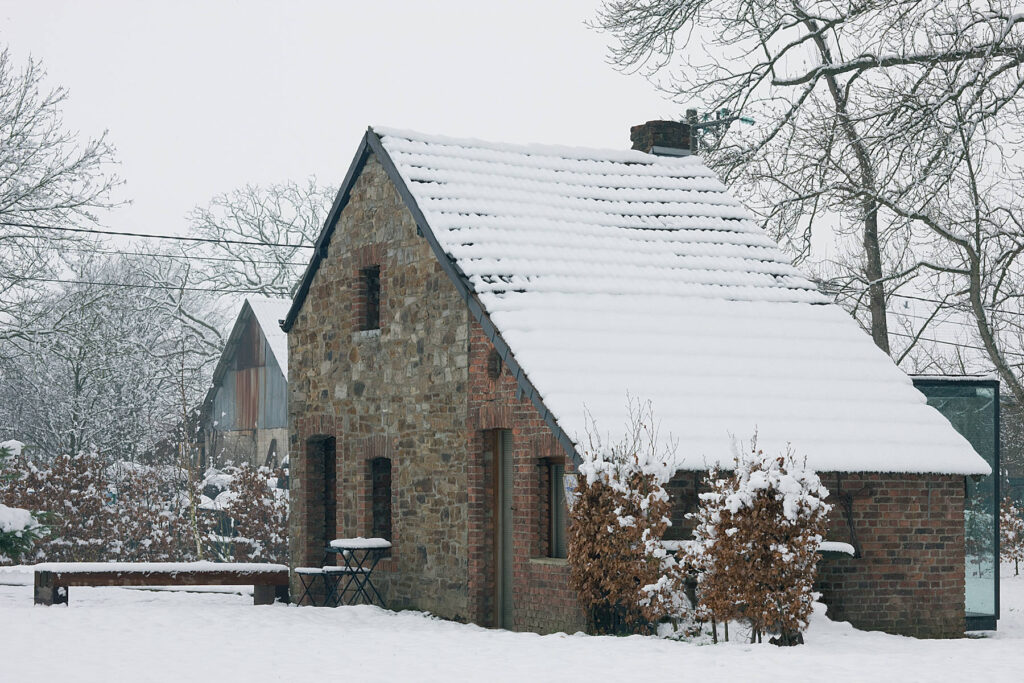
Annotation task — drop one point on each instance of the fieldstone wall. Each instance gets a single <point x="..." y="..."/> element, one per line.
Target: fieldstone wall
<point x="251" y="446"/>
<point x="398" y="392"/>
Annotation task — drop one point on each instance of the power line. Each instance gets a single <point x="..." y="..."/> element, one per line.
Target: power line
<point x="949" y="343"/>
<point x="138" y="286"/>
<point x="187" y="257"/>
<point x="179" y="238"/>
<point x="993" y="309"/>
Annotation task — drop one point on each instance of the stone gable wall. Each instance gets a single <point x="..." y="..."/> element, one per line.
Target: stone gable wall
<point x="398" y="393"/>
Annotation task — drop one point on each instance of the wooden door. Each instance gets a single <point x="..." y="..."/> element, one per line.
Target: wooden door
<point x="504" y="512"/>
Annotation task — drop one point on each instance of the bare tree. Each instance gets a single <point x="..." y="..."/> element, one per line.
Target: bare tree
<point x="288" y="216"/>
<point x="964" y="209"/>
<point x="49" y="179"/>
<point x="825" y="82"/>
<point x="130" y="350"/>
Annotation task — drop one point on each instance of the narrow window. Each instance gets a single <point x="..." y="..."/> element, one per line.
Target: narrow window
<point x="557" y="511"/>
<point x="371" y="297"/>
<point x="380" y="477"/>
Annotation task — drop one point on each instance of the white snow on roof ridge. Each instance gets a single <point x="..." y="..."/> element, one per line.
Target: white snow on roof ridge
<point x="536" y="149"/>
<point x="616" y="273"/>
<point x="269" y="312"/>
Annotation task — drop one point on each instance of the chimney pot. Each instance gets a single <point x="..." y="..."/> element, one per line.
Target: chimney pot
<point x="667" y="138"/>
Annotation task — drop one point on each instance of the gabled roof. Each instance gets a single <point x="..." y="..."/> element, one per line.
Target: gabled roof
<point x="268" y="314"/>
<point x="602" y="275"/>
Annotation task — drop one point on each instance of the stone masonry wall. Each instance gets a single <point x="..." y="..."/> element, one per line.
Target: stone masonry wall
<point x="396" y="393"/>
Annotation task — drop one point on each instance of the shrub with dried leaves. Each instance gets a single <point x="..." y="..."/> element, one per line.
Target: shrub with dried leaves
<point x="759" y="528"/>
<point x="260" y="512"/>
<point x="615" y="530"/>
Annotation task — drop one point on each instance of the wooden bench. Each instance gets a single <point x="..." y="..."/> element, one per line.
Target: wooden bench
<point x="52" y="579"/>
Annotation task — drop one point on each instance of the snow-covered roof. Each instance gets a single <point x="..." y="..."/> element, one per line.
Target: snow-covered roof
<point x="615" y="273"/>
<point x="269" y="312"/>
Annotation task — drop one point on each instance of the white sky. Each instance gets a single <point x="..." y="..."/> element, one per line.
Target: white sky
<point x="203" y="97"/>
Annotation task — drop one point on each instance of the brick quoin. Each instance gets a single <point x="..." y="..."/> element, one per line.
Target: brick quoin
<point x="422" y="392"/>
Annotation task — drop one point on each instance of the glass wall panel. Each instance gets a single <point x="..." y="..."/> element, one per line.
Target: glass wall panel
<point x="972" y="406"/>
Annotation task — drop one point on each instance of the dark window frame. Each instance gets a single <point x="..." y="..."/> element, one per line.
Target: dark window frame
<point x="557" y="510"/>
<point x="381" y="492"/>
<point x="369" y="279"/>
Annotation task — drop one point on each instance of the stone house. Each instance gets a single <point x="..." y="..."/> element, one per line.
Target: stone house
<point x="474" y="312"/>
<point x="244" y="418"/>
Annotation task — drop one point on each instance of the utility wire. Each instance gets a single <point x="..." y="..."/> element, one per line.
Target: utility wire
<point x="959" y="346"/>
<point x="187" y="257"/>
<point x="848" y="292"/>
<point x="137" y="286"/>
<point x="179" y="238"/>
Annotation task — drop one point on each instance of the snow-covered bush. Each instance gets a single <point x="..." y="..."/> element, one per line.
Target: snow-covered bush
<point x="19" y="528"/>
<point x="1011" y="533"/>
<point x="97" y="511"/>
<point x="758" y="532"/>
<point x="152" y="522"/>
<point x="74" y="491"/>
<point x="260" y="513"/>
<point x="615" y="530"/>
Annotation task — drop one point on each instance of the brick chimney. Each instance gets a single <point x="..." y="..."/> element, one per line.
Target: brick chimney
<point x="666" y="138"/>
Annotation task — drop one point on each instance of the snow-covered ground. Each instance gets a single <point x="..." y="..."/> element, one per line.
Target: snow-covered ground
<point x="118" y="634"/>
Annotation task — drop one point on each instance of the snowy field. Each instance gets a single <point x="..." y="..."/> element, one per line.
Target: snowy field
<point x="119" y="634"/>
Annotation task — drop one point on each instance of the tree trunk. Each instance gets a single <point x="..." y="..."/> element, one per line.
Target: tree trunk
<point x="874" y="275"/>
<point x="988" y="339"/>
<point x="872" y="249"/>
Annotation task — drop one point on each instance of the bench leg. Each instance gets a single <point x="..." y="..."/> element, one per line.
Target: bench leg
<point x="263" y="595"/>
<point x="46" y="593"/>
<point x="281" y="592"/>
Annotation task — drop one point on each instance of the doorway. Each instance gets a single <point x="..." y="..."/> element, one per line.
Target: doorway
<point x="323" y="496"/>
<point x="503" y="523"/>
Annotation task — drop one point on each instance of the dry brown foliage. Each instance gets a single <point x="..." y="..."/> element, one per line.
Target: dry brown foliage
<point x="759" y="527"/>
<point x="613" y="525"/>
<point x="260" y="512"/>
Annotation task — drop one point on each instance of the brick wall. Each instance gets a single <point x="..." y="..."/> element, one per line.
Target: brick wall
<point x="910" y="530"/>
<point x="543" y="601"/>
<point x="397" y="393"/>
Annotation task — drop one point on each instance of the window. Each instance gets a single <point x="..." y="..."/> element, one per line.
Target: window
<point x="494" y="364"/>
<point x="557" y="511"/>
<point x="371" y="297"/>
<point x="380" y="478"/>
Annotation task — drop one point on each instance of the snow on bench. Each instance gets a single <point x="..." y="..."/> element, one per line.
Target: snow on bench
<point x="52" y="579"/>
<point x="166" y="567"/>
<point x="360" y="543"/>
